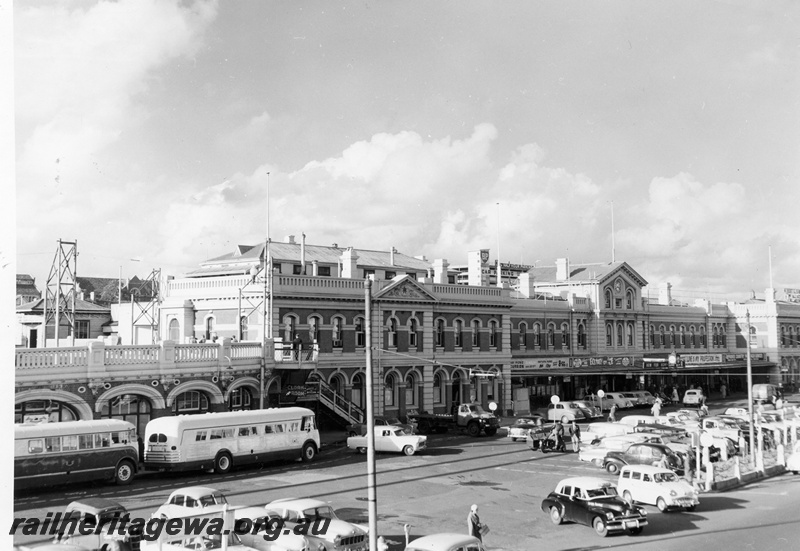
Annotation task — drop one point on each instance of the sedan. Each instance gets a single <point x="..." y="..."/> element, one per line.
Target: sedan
<point x="390" y="439"/>
<point x="519" y="430"/>
<point x="565" y="412"/>
<point x="194" y="499"/>
<point x="360" y="429"/>
<point x="645" y="453"/>
<point x="593" y="502"/>
<point x="589" y="411"/>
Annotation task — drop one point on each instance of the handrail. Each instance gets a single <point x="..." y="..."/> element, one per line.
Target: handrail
<point x="339" y="404"/>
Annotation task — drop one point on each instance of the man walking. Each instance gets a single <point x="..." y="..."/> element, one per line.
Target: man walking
<point x="612" y="414"/>
<point x="474" y="523"/>
<point x="575" y="432"/>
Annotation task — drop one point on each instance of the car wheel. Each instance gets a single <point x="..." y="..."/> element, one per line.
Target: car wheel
<point x="600" y="527"/>
<point x="662" y="505"/>
<point x="309" y="452"/>
<point x="628" y="497"/>
<point x="222" y="463"/>
<point x="408" y="450"/>
<point x="556" y="516"/>
<point x="612" y="467"/>
<point x="124" y="473"/>
<point x="473" y="429"/>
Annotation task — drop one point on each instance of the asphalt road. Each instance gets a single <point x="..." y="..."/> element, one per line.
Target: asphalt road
<point x="433" y="491"/>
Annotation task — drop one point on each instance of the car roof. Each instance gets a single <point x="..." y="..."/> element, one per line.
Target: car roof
<point x="446" y="540"/>
<point x="96" y="503"/>
<point x="194" y="491"/>
<point x="650" y="469"/>
<point x="585" y="482"/>
<point x="296" y="503"/>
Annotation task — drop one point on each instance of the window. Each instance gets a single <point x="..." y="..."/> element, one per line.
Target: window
<point x="240" y="399"/>
<point x="368" y="273"/>
<point x="691" y="336"/>
<point x="565" y="336"/>
<point x="389" y="390"/>
<point x="209" y="327"/>
<point x="618" y="303"/>
<point x="702" y="335"/>
<point x="411" y="389"/>
<point x="324" y="271"/>
<point x="630" y="334"/>
<point x="551" y="335"/>
<point x="493" y="334"/>
<point x="243" y="328"/>
<point x="439" y="332"/>
<point x="629" y="300"/>
<point x="85" y="441"/>
<point x="619" y="334"/>
<point x="360" y="332"/>
<point x="663" y="336"/>
<point x="581" y="336"/>
<point x="609" y="334"/>
<point x="69" y="443"/>
<point x="297" y="269"/>
<point x="392" y="333"/>
<point x="523" y="335"/>
<point x="200" y="436"/>
<point x="682" y="335"/>
<point x="313" y="328"/>
<point x="412" y="332"/>
<point x="536" y="336"/>
<point x="459" y="327"/>
<point x="81" y="329"/>
<point x="390" y="275"/>
<point x="608" y="298"/>
<point x="174" y="330"/>
<point x="476" y="331"/>
<point x="652" y="335"/>
<point x="191" y="401"/>
<point x="128" y="407"/>
<point x="52" y="443"/>
<point x="672" y="335"/>
<point x="437" y="389"/>
<point x="36" y="446"/>
<point x="336" y="332"/>
<point x="289" y="325"/>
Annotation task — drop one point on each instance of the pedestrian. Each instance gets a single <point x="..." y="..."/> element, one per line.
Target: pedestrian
<point x="703" y="409"/>
<point x="664" y="461"/>
<point x="612" y="414"/>
<point x="723" y="389"/>
<point x="474" y="525"/>
<point x="656" y="409"/>
<point x="575" y="432"/>
<point x="675" y="396"/>
<point x="297" y="345"/>
<point x="558" y="437"/>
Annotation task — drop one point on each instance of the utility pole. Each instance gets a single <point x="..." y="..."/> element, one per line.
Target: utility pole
<point x="372" y="500"/>
<point x="750" y="394"/>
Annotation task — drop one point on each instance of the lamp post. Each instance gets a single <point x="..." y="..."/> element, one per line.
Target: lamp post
<point x="750" y="394"/>
<point x="372" y="500"/>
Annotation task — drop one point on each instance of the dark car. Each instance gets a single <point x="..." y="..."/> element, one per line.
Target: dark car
<point x="519" y="430"/>
<point x="360" y="429"/>
<point x="593" y="502"/>
<point x="644" y="453"/>
<point x="92" y="511"/>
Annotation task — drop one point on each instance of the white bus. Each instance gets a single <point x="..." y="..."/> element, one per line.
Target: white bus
<point x="74" y="451"/>
<point x="221" y="440"/>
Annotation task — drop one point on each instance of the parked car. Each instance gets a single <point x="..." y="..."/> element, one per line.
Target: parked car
<point x="446" y="542"/>
<point x="389" y="438"/>
<point x="678" y="420"/>
<point x="339" y="535"/>
<point x="360" y="429"/>
<point x="595" y="431"/>
<point x="94" y="511"/>
<point x="634" y="420"/>
<point x="669" y="431"/>
<point x="230" y="540"/>
<point x="793" y="461"/>
<point x="656" y="486"/>
<point x="643" y="398"/>
<point x="596" y="451"/>
<point x="590" y="410"/>
<point x="593" y="502"/>
<point x="742" y="413"/>
<point x="616" y="398"/>
<point x="645" y="453"/>
<point x="765" y="393"/>
<point x="193" y="499"/>
<point x="282" y="541"/>
<point x="693" y="397"/>
<point x="519" y="430"/>
<point x="565" y="412"/>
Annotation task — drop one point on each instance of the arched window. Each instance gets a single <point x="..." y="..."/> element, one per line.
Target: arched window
<point x="608" y="298"/>
<point x="609" y="334"/>
<point x="34" y="411"/>
<point x="389" y="390"/>
<point x="565" y="336"/>
<point x="192" y="401"/>
<point x="702" y="335"/>
<point x="652" y="335"/>
<point x="459" y="329"/>
<point x="209" y="327"/>
<point x="413" y="327"/>
<point x="629" y="300"/>
<point x="128" y="407"/>
<point x="175" y="331"/>
<point x="438" y="395"/>
<point x="289" y="328"/>
<point x="630" y="334"/>
<point x="392" y="333"/>
<point x="240" y="399"/>
<point x="682" y="335"/>
<point x="336" y="332"/>
<point x="723" y="336"/>
<point x="691" y="336"/>
<point x="313" y="328"/>
<point x="523" y="335"/>
<point x="493" y="333"/>
<point x="440" y="333"/>
<point x="536" y="334"/>
<point x="359" y="385"/>
<point x="715" y="337"/>
<point x="672" y="335"/>
<point x="619" y="335"/>
<point x="411" y="389"/>
<point x="581" y="336"/>
<point x="476" y="332"/>
<point x="360" y="336"/>
<point x="662" y="340"/>
<point x="551" y="335"/>
<point x="783" y="335"/>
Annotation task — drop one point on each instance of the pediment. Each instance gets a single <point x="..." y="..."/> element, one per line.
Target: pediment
<point x="405" y="289"/>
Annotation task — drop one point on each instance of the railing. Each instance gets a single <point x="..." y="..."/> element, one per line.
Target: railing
<point x="196" y="352"/>
<point x="135" y="354"/>
<point x="46" y="357"/>
<point x="240" y="350"/>
<point x="287" y="353"/>
<point x="340" y="405"/>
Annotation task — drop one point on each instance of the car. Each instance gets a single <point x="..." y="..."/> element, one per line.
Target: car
<point x="389" y="438"/>
<point x="538" y="435"/>
<point x="263" y="539"/>
<point x="565" y="412"/>
<point x="643" y="398"/>
<point x="93" y="511"/>
<point x="360" y="429"/>
<point x="742" y="413"/>
<point x="672" y="432"/>
<point x="793" y="461"/>
<point x="644" y="453"/>
<point x="192" y="499"/>
<point x="182" y="542"/>
<point x="597" y="450"/>
<point x="634" y="420"/>
<point x="595" y="431"/>
<point x="615" y="398"/>
<point x="327" y="532"/>
<point x="656" y="486"/>
<point x="53" y="547"/>
<point x="693" y="397"/>
<point x="446" y="542"/>
<point x="678" y="420"/>
<point x="593" y="502"/>
<point x="590" y="410"/>
<point x="519" y="430"/>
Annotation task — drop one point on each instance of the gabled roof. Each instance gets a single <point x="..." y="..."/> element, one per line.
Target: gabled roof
<point x="405" y="288"/>
<point x="82" y="306"/>
<point x="586" y="273"/>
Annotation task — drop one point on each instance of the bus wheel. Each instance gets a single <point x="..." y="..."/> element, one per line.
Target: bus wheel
<point x="222" y="463"/>
<point x="309" y="451"/>
<point x="124" y="473"/>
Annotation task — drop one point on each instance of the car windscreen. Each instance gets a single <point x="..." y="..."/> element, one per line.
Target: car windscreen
<point x="607" y="491"/>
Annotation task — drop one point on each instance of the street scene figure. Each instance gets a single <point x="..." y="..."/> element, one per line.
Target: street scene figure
<point x="612" y="414"/>
<point x="558" y="437"/>
<point x="474" y="525"/>
<point x="297" y="346"/>
<point x="575" y="432"/>
<point x="656" y="409"/>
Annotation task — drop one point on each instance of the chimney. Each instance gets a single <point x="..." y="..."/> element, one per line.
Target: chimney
<point x="290" y="239"/>
<point x="91" y="296"/>
<point x="440" y="266"/>
<point x="665" y="295"/>
<point x="526" y="285"/>
<point x="562" y="269"/>
<point x="303" y="254"/>
<point x="350" y="264"/>
<point x="314" y="268"/>
<point x="391" y="256"/>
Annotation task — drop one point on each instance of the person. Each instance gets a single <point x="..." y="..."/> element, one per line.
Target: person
<point x="664" y="461"/>
<point x="723" y="389"/>
<point x="575" y="431"/>
<point x="703" y="409"/>
<point x="612" y="414"/>
<point x="474" y="522"/>
<point x="675" y="396"/>
<point x="656" y="409"/>
<point x="558" y="437"/>
<point x="297" y="345"/>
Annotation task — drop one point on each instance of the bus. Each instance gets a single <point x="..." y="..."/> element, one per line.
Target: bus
<point x="73" y="451"/>
<point x="219" y="441"/>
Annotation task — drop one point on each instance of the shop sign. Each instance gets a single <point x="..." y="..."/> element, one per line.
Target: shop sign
<point x="756" y="356"/>
<point x="603" y="360"/>
<point x="518" y="365"/>
<point x="701" y="359"/>
<point x="792" y="295"/>
<point x="297" y="390"/>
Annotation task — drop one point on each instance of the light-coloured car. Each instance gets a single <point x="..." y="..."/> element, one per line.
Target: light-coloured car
<point x="197" y="542"/>
<point x="267" y="533"/>
<point x="389" y="438"/>
<point x="634" y="420"/>
<point x="595" y="431"/>
<point x="360" y="429"/>
<point x="693" y="397"/>
<point x="656" y="486"/>
<point x="597" y="450"/>
<point x="565" y="412"/>
<point x="327" y="529"/>
<point x="793" y="461"/>
<point x="643" y="398"/>
<point x="590" y="410"/>
<point x="446" y="542"/>
<point x="194" y="499"/>
<point x="616" y="398"/>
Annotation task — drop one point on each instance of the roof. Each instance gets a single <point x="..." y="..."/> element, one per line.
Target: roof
<point x="585" y="482"/>
<point x="585" y="273"/>
<point x="648" y="469"/>
<point x="95" y="503"/>
<point x="226" y="418"/>
<point x="196" y="491"/>
<point x="82" y="306"/>
<point x="298" y="503"/>
<point x="443" y="541"/>
<point x="32" y="430"/>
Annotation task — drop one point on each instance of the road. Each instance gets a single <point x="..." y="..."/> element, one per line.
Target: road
<point x="433" y="491"/>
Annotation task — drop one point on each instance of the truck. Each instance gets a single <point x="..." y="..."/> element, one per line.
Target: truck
<point x="470" y="417"/>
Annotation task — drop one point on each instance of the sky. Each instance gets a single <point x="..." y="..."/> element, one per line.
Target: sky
<point x="158" y="134"/>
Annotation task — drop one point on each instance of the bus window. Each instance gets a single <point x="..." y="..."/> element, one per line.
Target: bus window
<point x="227" y="433"/>
<point x="254" y="431"/>
<point x="244" y="431"/>
<point x="294" y="427"/>
<point x="216" y="434"/>
<point x="69" y="443"/>
<point x="85" y="441"/>
<point x="278" y="427"/>
<point x="102" y="440"/>
<point x="35" y="446"/>
<point x="52" y="443"/>
<point x="200" y="436"/>
<point x="267" y="429"/>
<point x="308" y="423"/>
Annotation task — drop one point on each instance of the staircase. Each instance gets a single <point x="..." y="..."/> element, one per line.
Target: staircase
<point x="337" y="403"/>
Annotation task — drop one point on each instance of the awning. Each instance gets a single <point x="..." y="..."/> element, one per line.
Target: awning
<point x="638" y="368"/>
